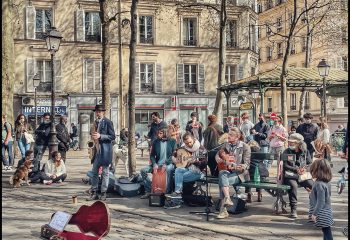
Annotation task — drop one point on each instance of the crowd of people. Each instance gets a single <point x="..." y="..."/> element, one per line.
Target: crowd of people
<point x="229" y="160"/>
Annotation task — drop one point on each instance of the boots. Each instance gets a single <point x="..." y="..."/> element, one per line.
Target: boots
<point x="293" y="213"/>
<point x="93" y="197"/>
<point x="259" y="196"/>
<point x="249" y="197"/>
<point x="103" y="196"/>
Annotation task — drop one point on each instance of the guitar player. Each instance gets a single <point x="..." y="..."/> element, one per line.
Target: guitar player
<point x="236" y="156"/>
<point x="194" y="169"/>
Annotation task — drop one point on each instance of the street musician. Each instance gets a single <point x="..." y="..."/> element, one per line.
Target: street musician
<point x="189" y="165"/>
<point x="233" y="160"/>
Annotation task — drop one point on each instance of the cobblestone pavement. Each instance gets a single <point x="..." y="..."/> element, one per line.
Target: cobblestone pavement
<point x="27" y="208"/>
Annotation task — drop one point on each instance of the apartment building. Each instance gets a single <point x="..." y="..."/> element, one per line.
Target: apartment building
<point x="329" y="41"/>
<point x="177" y="59"/>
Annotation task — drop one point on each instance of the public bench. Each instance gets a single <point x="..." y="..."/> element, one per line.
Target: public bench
<point x="274" y="188"/>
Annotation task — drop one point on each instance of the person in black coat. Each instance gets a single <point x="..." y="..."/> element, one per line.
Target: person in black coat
<point x="195" y="127"/>
<point x="41" y="141"/>
<point x="102" y="136"/>
<point x="63" y="137"/>
<point x="259" y="132"/>
<point x="309" y="131"/>
<point x="74" y="132"/>
<point x="293" y="168"/>
<point x="156" y="125"/>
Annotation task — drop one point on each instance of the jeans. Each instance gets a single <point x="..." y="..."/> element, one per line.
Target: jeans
<point x="148" y="184"/>
<point x="105" y="177"/>
<point x="226" y="179"/>
<point x="292" y="193"/>
<point x="23" y="146"/>
<point x="185" y="175"/>
<point x="9" y="149"/>
<point x="38" y="155"/>
<point x="327" y="233"/>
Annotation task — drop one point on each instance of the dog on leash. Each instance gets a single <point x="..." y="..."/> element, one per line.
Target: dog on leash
<point x="21" y="174"/>
<point x="122" y="154"/>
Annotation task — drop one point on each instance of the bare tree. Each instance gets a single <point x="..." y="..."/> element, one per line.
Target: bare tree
<point x="8" y="58"/>
<point x="131" y="91"/>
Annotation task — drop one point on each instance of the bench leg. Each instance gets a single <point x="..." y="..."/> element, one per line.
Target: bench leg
<point x="141" y="152"/>
<point x="279" y="203"/>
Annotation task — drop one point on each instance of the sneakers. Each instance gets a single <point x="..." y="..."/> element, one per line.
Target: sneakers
<point x="47" y="182"/>
<point x="93" y="197"/>
<point x="175" y="195"/>
<point x="145" y="196"/>
<point x="294" y="214"/>
<point x="59" y="181"/>
<point x="227" y="202"/>
<point x="7" y="168"/>
<point x="223" y="214"/>
<point x="103" y="196"/>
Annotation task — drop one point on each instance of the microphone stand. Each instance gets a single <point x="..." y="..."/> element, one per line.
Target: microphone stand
<point x="207" y="210"/>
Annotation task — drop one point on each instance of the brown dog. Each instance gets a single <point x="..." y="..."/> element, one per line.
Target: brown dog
<point x="21" y="174"/>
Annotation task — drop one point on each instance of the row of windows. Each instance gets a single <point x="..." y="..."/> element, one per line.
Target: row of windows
<point x="88" y="28"/>
<point x="280" y="50"/>
<point x="190" y="77"/>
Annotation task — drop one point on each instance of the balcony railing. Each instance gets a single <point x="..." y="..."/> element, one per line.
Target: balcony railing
<point x="146" y="87"/>
<point x="292" y="51"/>
<point x="148" y="40"/>
<point x="280" y="55"/>
<point x="93" y="38"/>
<point x="191" y="87"/>
<point x="306" y="107"/>
<point x="269" y="58"/>
<point x="40" y="35"/>
<point x="293" y="107"/>
<point x="231" y="44"/>
<point x="279" y="28"/>
<point x="269" y="110"/>
<point x="190" y="42"/>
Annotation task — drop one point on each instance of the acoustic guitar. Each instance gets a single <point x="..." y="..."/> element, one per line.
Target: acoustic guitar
<point x="184" y="158"/>
<point x="228" y="160"/>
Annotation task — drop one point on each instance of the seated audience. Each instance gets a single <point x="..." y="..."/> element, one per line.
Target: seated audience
<point x="55" y="169"/>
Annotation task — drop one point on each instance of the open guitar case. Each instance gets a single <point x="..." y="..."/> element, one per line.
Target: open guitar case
<point x="94" y="219"/>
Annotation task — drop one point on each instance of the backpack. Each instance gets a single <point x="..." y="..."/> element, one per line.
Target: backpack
<point x="12" y="130"/>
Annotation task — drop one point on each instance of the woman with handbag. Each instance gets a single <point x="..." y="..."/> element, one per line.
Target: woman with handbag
<point x="295" y="169"/>
<point x="23" y="132"/>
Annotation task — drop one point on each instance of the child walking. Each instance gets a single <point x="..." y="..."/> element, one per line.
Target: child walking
<point x="320" y="198"/>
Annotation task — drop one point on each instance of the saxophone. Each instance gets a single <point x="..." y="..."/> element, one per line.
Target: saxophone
<point x="93" y="145"/>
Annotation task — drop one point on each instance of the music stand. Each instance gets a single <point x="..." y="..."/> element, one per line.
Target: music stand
<point x="207" y="210"/>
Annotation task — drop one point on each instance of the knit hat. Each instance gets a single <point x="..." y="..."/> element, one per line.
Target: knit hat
<point x="212" y="118"/>
<point x="296" y="137"/>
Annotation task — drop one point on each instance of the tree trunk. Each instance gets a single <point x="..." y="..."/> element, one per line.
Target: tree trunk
<point x="222" y="62"/>
<point x="131" y="91"/>
<point x="302" y="102"/>
<point x="8" y="61"/>
<point x="106" y="98"/>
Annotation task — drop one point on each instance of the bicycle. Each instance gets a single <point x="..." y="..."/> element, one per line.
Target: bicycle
<point x="74" y="144"/>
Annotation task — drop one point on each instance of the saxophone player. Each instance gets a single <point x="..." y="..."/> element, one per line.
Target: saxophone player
<point x="102" y="156"/>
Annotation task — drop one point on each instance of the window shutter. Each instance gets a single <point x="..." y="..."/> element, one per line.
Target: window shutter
<point x="180" y="78"/>
<point x="80" y="25"/>
<point x="339" y="63"/>
<point x="30" y="70"/>
<point x="30" y="22"/>
<point x="89" y="75"/>
<point x="159" y="80"/>
<point x="97" y="76"/>
<point x="58" y="76"/>
<point x="240" y="72"/>
<point x="137" y="77"/>
<point x="201" y="78"/>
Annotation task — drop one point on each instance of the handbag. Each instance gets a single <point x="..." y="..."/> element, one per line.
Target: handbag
<point x="28" y="137"/>
<point x="305" y="176"/>
<point x="291" y="175"/>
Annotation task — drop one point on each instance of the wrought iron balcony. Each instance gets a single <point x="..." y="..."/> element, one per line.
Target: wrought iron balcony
<point x="231" y="44"/>
<point x="191" y="87"/>
<point x="190" y="42"/>
<point x="93" y="38"/>
<point x="146" y="87"/>
<point x="148" y="40"/>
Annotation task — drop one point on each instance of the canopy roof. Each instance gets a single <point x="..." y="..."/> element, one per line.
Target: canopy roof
<point x="297" y="78"/>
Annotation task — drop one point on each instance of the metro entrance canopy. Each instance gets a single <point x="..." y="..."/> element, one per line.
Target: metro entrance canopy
<point x="297" y="79"/>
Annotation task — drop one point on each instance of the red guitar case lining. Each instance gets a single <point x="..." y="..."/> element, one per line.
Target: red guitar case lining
<point x="93" y="219"/>
<point x="159" y="181"/>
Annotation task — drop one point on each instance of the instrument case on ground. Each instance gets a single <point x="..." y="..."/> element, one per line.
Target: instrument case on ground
<point x="126" y="188"/>
<point x="93" y="219"/>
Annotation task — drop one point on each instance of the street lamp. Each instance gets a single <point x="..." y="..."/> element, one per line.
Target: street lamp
<point x="53" y="40"/>
<point x="323" y="70"/>
<point x="36" y="83"/>
<point x="255" y="96"/>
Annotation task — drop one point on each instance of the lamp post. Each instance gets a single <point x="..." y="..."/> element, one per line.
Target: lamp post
<point x="323" y="70"/>
<point x="53" y="40"/>
<point x="36" y="83"/>
<point x="255" y="96"/>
